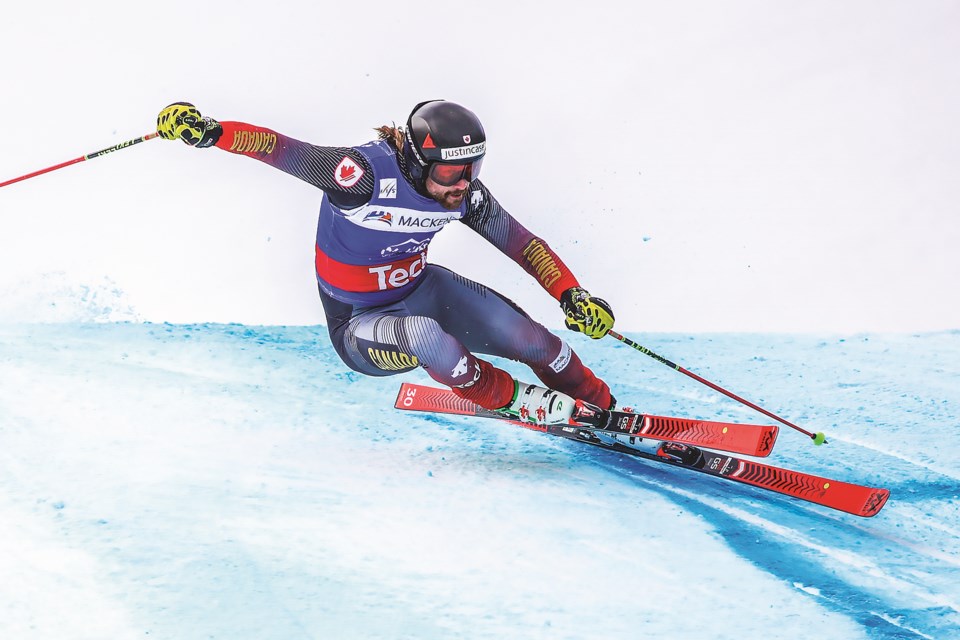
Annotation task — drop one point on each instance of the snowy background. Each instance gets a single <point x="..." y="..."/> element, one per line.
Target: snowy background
<point x="765" y="192"/>
<point x="704" y="166"/>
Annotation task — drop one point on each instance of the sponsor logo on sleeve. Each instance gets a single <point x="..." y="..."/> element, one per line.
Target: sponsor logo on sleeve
<point x="347" y="173"/>
<point x="542" y="262"/>
<point x="476" y="199"/>
<point x="253" y="142"/>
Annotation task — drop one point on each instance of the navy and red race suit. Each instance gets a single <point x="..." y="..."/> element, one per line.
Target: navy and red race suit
<point x="389" y="310"/>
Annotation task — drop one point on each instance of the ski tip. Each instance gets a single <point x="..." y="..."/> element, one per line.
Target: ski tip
<point x="874" y="503"/>
<point x="767" y="441"/>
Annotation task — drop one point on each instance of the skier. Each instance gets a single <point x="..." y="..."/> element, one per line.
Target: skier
<point x="389" y="310"/>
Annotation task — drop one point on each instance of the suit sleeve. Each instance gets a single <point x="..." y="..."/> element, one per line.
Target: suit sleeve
<point x="335" y="170"/>
<point x="490" y="220"/>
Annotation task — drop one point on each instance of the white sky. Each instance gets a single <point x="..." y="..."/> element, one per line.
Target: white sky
<point x="736" y="166"/>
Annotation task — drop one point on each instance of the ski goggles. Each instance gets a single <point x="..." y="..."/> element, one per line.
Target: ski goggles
<point x="447" y="175"/>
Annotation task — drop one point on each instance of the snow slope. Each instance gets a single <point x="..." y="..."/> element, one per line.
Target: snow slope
<point x="228" y="481"/>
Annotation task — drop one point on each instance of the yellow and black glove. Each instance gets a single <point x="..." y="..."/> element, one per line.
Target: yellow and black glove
<point x="182" y="120"/>
<point x="586" y="314"/>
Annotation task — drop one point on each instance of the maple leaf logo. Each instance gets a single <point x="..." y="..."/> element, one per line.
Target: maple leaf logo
<point x="348" y="173"/>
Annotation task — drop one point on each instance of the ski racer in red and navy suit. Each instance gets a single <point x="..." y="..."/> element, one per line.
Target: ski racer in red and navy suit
<point x="389" y="310"/>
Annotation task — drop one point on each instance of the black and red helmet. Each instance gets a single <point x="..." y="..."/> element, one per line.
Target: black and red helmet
<point x="444" y="141"/>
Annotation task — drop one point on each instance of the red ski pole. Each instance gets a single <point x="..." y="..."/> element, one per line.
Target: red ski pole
<point x="122" y="145"/>
<point x="818" y="438"/>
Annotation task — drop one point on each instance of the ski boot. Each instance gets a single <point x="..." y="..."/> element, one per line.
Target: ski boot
<point x="683" y="454"/>
<point x="539" y="405"/>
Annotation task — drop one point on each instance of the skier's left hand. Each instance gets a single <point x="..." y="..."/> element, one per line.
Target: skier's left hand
<point x="586" y="314"/>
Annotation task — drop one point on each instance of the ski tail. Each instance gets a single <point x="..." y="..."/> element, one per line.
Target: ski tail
<point x="752" y="440"/>
<point x="417" y="397"/>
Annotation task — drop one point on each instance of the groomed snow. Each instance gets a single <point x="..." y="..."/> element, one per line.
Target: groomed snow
<point x="229" y="481"/>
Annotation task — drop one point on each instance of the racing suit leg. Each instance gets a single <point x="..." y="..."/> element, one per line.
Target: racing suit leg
<point x="487" y="322"/>
<point x="441" y="324"/>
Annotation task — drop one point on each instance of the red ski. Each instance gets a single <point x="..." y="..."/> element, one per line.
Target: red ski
<point x="851" y="498"/>
<point x="843" y="496"/>
<point x="751" y="440"/>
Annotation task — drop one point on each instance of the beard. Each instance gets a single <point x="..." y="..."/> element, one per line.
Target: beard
<point x="450" y="200"/>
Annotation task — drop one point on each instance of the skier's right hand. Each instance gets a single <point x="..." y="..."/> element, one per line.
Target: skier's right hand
<point x="182" y="120"/>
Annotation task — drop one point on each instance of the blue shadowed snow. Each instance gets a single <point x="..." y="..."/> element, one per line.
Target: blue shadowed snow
<point x="229" y="481"/>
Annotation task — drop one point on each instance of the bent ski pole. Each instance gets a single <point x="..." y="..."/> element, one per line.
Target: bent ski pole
<point x="818" y="438"/>
<point x="116" y="147"/>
